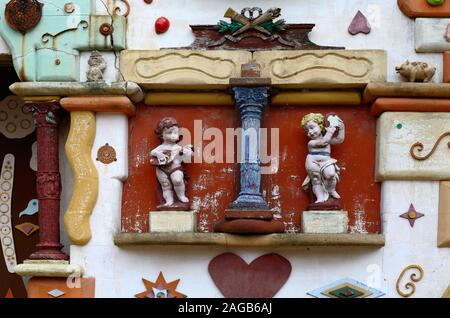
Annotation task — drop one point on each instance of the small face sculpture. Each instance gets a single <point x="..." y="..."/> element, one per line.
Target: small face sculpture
<point x="171" y="134"/>
<point x="313" y="130"/>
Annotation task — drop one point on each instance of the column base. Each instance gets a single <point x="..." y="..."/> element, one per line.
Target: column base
<point x="48" y="268"/>
<point x="49" y="255"/>
<point x="325" y="222"/>
<point x="249" y="202"/>
<point x="249" y="226"/>
<point x="234" y="214"/>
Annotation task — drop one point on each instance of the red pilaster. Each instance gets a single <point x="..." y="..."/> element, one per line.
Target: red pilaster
<point x="46" y="117"/>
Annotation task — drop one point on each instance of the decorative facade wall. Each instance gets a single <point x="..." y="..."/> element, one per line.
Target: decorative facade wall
<point x="117" y="69"/>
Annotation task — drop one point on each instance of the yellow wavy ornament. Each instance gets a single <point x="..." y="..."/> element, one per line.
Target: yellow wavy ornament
<point x="410" y="287"/>
<point x="85" y="185"/>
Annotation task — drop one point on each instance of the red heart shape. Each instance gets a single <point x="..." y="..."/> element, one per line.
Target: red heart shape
<point x="262" y="278"/>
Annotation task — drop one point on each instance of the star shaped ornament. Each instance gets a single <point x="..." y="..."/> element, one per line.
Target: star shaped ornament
<point x="160" y="289"/>
<point x="412" y="215"/>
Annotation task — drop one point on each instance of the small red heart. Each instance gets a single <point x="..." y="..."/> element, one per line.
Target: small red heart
<point x="262" y="278"/>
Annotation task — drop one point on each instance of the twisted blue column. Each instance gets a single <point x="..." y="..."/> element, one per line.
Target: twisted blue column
<point x="250" y="102"/>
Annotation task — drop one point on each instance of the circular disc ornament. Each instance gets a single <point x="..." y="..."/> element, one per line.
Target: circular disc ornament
<point x="23" y="15"/>
<point x="106" y="154"/>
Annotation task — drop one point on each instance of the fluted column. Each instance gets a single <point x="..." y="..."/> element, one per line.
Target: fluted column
<point x="250" y="213"/>
<point x="250" y="102"/>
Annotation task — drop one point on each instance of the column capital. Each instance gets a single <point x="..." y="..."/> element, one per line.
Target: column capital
<point x="251" y="101"/>
<point x="251" y="95"/>
<point x="45" y="113"/>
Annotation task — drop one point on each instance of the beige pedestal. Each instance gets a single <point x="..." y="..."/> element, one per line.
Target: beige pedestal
<point x="325" y="222"/>
<point x="172" y="221"/>
<point x="48" y="268"/>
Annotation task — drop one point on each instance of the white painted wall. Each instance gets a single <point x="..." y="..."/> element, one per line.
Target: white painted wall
<point x="391" y="30"/>
<point x="119" y="271"/>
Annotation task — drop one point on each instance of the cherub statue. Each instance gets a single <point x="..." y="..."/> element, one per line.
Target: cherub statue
<point x="323" y="171"/>
<point x="168" y="159"/>
<point x="97" y="65"/>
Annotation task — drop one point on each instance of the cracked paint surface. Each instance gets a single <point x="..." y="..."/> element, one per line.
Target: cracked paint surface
<point x="213" y="186"/>
<point x="51" y="50"/>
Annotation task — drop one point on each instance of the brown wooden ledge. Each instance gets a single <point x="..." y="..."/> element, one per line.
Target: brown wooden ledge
<point x="406" y="90"/>
<point x="229" y="240"/>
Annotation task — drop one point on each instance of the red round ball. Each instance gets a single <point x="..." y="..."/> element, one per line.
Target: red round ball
<point x="162" y="24"/>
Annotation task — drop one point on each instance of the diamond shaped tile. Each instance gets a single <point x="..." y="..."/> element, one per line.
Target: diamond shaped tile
<point x="27" y="228"/>
<point x="56" y="293"/>
<point x="346" y="288"/>
<point x="346" y="291"/>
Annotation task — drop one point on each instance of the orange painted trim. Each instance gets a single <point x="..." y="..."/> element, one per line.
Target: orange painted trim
<point x="421" y="9"/>
<point x="382" y="105"/>
<point x="100" y="104"/>
<point x="447" y="67"/>
<point x="38" y="287"/>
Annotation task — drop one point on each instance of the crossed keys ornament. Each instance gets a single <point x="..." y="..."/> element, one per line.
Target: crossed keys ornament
<point x="249" y="21"/>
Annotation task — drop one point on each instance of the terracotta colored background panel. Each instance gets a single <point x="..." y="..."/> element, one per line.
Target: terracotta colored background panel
<point x="38" y="287"/>
<point x="213" y="186"/>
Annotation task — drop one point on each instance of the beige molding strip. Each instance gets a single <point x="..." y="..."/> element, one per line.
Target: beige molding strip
<point x="172" y="69"/>
<point x="203" y="70"/>
<point x="444" y="214"/>
<point x="229" y="240"/>
<point x="48" y="268"/>
<point x="85" y="185"/>
<point x="318" y="68"/>
<point x="71" y="89"/>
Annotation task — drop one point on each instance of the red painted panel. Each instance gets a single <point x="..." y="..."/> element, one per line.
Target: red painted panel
<point x="212" y="186"/>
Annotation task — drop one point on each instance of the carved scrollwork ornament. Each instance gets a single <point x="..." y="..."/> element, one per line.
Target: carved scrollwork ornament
<point x="410" y="286"/>
<point x="117" y="9"/>
<point x="418" y="147"/>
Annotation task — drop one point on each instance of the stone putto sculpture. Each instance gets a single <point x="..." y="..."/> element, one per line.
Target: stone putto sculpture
<point x="322" y="170"/>
<point x="97" y="65"/>
<point x="416" y="71"/>
<point x="168" y="159"/>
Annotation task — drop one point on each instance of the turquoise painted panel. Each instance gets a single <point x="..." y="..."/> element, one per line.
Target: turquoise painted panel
<point x="63" y="64"/>
<point x="51" y="51"/>
<point x="119" y="24"/>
